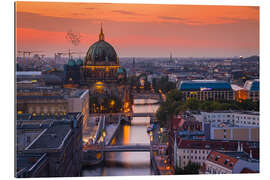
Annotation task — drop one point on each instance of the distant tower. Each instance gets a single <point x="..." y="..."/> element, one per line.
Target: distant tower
<point x="171" y="59"/>
<point x="133" y="65"/>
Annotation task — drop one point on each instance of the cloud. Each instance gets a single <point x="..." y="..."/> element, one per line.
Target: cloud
<point x="52" y="23"/>
<point x="89" y="8"/>
<point x="78" y="14"/>
<point x="235" y="20"/>
<point x="126" y="12"/>
<point x="171" y="18"/>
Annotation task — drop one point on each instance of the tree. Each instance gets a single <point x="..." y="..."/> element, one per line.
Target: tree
<point x="190" y="168"/>
<point x="168" y="108"/>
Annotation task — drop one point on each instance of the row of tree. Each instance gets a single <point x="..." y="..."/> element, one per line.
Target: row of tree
<point x="104" y="104"/>
<point x="163" y="84"/>
<point x="134" y="81"/>
<point x="176" y="103"/>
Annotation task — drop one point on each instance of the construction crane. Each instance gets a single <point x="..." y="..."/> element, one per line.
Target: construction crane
<point x="27" y="53"/>
<point x="69" y="54"/>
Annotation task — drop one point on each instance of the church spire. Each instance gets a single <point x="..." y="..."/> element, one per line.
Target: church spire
<point x="101" y="35"/>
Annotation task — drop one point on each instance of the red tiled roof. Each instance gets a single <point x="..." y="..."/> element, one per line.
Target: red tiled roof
<point x="207" y="144"/>
<point x="217" y="145"/>
<point x="222" y="159"/>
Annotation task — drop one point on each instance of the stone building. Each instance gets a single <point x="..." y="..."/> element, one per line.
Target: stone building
<point x="55" y="152"/>
<point x="52" y="101"/>
<point x="230" y="163"/>
<point x="206" y="90"/>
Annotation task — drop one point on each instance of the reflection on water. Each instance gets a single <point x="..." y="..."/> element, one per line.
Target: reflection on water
<point x="145" y="108"/>
<point x="126" y="134"/>
<point x="145" y="101"/>
<point x="127" y="163"/>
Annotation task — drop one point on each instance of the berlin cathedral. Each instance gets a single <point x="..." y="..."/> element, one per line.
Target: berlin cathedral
<point x="99" y="72"/>
<point x="100" y="64"/>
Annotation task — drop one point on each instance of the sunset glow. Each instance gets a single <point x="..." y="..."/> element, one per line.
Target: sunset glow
<point x="140" y="29"/>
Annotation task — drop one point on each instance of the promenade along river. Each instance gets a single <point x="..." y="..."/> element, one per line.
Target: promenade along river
<point x="128" y="163"/>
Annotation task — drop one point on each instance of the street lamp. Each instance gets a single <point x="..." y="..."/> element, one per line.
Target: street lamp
<point x="102" y="139"/>
<point x="104" y="133"/>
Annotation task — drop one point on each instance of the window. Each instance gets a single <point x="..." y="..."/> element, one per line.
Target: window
<point x="184" y="157"/>
<point x="191" y="151"/>
<point x="191" y="157"/>
<point x="28" y="139"/>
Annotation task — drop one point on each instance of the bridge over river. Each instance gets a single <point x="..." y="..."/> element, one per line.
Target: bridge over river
<point x="121" y="148"/>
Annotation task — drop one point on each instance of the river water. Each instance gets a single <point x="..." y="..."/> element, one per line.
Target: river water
<point x="128" y="163"/>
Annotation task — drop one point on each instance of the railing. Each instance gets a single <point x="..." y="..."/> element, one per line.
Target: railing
<point x="129" y="147"/>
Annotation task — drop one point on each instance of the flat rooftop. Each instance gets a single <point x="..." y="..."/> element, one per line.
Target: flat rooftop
<point x="204" y="85"/>
<point x="51" y="138"/>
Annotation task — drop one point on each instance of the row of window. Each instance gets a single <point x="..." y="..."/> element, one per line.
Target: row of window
<point x="228" y="116"/>
<point x="213" y="116"/>
<point x="247" y="122"/>
<point x="244" y="117"/>
<point x="195" y="157"/>
<point x="49" y="108"/>
<point x="195" y="151"/>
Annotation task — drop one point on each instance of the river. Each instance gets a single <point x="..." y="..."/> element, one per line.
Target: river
<point x="128" y="163"/>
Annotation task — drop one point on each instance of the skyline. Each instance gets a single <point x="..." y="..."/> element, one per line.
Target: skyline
<point x="140" y="30"/>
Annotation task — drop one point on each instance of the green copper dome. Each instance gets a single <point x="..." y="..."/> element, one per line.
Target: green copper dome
<point x="71" y="62"/>
<point x="100" y="52"/>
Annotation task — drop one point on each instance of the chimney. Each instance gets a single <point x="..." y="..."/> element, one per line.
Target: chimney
<point x="238" y="147"/>
<point x="241" y="147"/>
<point x="250" y="154"/>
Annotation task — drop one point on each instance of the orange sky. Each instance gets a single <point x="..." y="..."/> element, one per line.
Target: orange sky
<point x="140" y="29"/>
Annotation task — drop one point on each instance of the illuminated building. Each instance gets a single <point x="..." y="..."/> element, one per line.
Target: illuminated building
<point x="237" y="118"/>
<point x="100" y="73"/>
<point x="253" y="88"/>
<point x="206" y="90"/>
<point x="100" y="64"/>
<point x="239" y="93"/>
<point x="53" y="101"/>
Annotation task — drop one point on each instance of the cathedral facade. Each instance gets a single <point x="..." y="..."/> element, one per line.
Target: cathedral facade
<point x="101" y="74"/>
<point x="101" y="64"/>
